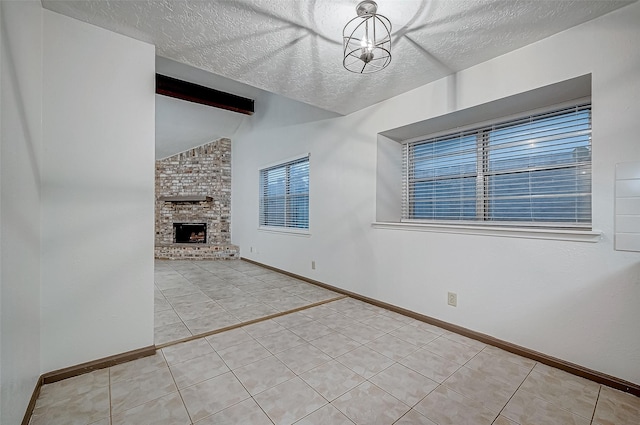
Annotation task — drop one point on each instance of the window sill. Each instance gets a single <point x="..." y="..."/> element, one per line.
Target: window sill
<point x="591" y="236"/>
<point x="285" y="230"/>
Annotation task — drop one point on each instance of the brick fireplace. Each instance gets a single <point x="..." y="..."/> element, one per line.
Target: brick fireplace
<point x="193" y="204"/>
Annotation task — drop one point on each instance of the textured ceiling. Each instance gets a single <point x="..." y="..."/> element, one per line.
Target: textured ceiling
<point x="293" y="47"/>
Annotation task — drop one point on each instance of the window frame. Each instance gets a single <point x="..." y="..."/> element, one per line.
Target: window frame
<point x="287" y="226"/>
<point x="482" y="199"/>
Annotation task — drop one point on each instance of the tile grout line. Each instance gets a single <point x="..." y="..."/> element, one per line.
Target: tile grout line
<point x="561" y="407"/>
<point x="593" y="415"/>
<point x="441" y="384"/>
<point x="110" y="405"/>
<point x="177" y="388"/>
<point x="369" y="379"/>
<point x="260" y="407"/>
<point x="154" y="399"/>
<point x="251" y="396"/>
<point x="491" y="377"/>
<point x="328" y="402"/>
<point x="247" y="323"/>
<point x="394" y="361"/>
<point x="514" y="393"/>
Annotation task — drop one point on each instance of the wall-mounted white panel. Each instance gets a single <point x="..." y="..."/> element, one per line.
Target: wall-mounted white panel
<point x="627" y="188"/>
<point x="627" y="223"/>
<point x="628" y="171"/>
<point x="627" y="206"/>
<point x="628" y="241"/>
<point x="627" y="214"/>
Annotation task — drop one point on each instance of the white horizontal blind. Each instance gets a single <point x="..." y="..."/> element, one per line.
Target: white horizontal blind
<point x="531" y="171"/>
<point x="284" y="195"/>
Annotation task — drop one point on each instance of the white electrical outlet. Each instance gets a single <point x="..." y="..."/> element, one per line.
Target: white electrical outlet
<point x="452" y="299"/>
<point x="313" y="265"/>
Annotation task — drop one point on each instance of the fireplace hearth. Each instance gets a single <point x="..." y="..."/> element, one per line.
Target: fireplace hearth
<point x="190" y="233"/>
<point x="193" y="204"/>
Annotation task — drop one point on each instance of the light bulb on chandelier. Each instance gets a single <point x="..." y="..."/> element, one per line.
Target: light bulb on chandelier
<point x="366" y="54"/>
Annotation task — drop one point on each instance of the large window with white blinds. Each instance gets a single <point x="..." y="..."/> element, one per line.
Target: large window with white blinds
<point x="284" y="195"/>
<point x="533" y="171"/>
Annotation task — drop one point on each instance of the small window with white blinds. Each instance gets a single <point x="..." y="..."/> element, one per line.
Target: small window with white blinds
<point x="534" y="171"/>
<point x="284" y="195"/>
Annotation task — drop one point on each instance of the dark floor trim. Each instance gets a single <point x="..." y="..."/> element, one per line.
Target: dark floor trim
<point x="247" y="323"/>
<point x="32" y="403"/>
<point x="599" y="377"/>
<point x="69" y="372"/>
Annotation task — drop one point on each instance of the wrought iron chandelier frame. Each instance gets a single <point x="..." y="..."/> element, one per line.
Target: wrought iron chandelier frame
<point x="367" y="40"/>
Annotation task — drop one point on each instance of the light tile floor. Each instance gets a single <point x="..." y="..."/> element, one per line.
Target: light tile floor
<point x="364" y="366"/>
<point x="196" y="297"/>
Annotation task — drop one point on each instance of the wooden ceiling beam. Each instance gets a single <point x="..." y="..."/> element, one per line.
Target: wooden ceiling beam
<point x="172" y="87"/>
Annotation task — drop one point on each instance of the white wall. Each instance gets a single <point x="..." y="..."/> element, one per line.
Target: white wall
<point x="97" y="194"/>
<point x="20" y="156"/>
<point x="573" y="300"/>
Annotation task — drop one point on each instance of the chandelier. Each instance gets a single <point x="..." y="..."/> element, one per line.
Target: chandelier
<point x="367" y="40"/>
